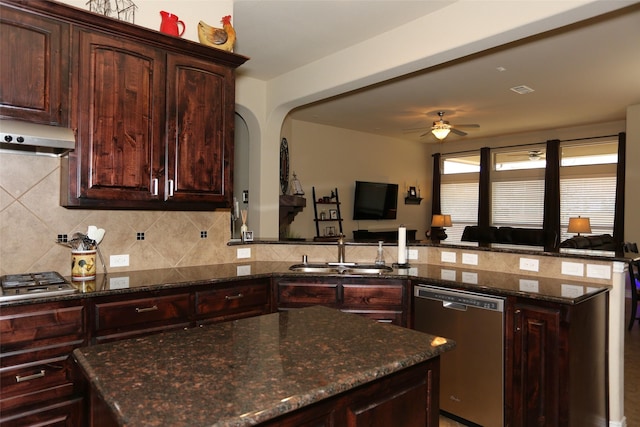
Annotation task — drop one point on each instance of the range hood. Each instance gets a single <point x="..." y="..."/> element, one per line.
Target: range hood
<point x="18" y="137"/>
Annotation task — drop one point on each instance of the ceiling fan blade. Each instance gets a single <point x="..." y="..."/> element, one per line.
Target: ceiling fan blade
<point x="471" y="125"/>
<point x="458" y="132"/>
<point x="425" y="134"/>
<point x="411" y="130"/>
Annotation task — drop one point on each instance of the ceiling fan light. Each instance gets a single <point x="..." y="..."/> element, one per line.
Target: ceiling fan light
<point x="440" y="131"/>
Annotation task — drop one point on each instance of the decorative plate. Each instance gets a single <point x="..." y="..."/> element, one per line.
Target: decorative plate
<point x="284" y="166"/>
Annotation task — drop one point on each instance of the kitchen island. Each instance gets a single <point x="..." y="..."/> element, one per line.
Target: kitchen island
<point x="315" y="364"/>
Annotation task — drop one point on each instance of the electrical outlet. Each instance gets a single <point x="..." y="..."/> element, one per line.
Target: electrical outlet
<point x="119" y="282"/>
<point x="448" y="257"/>
<point x="572" y="268"/>
<point x="244" y="253"/>
<point x="529" y="264"/>
<point x="599" y="271"/>
<point x="412" y="254"/>
<point x="471" y="259"/>
<point x="119" y="260"/>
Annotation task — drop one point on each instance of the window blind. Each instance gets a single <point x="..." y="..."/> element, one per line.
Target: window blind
<point x="460" y="200"/>
<point x="591" y="197"/>
<point x="517" y="203"/>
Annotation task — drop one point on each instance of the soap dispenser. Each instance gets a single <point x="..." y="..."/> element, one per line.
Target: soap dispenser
<point x="380" y="256"/>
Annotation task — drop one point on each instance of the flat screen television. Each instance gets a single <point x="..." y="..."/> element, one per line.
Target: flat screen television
<point x="375" y="200"/>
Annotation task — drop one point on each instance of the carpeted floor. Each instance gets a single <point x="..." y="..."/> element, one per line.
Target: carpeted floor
<point x="631" y="376"/>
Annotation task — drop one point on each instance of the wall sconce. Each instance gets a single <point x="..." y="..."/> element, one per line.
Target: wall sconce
<point x="579" y="225"/>
<point x="438" y="222"/>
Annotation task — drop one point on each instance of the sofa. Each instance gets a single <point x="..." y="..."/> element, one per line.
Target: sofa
<point x="506" y="235"/>
<point x="602" y="242"/>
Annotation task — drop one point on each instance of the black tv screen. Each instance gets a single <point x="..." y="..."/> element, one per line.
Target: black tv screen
<point x="375" y="200"/>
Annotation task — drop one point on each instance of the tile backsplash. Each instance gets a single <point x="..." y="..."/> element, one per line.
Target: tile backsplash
<point x="31" y="220"/>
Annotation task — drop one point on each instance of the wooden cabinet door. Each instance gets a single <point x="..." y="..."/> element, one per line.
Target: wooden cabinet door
<point x="34" y="68"/>
<point x="535" y="395"/>
<point x="119" y="91"/>
<point x="200" y="107"/>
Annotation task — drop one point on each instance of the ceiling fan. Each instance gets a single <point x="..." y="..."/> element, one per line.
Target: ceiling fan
<point x="441" y="128"/>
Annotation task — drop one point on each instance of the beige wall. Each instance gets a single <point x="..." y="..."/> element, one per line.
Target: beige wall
<point x="632" y="200"/>
<point x="31" y="219"/>
<point x="328" y="157"/>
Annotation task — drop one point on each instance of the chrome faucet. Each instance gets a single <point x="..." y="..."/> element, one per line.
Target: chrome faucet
<point x="341" y="249"/>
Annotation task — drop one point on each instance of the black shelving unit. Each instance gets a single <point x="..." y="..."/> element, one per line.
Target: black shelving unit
<point x="326" y="202"/>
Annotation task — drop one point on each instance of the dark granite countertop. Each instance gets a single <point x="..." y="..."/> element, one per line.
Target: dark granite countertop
<point x="562" y="290"/>
<point x="248" y="371"/>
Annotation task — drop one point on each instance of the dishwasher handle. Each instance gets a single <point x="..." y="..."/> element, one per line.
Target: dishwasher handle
<point x="454" y="306"/>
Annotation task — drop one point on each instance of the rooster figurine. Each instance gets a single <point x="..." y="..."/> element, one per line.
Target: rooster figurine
<point x="221" y="38"/>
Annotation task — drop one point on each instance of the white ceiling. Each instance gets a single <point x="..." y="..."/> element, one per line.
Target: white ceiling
<point x="584" y="74"/>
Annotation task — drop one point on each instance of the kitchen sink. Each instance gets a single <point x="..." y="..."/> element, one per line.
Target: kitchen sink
<point x="343" y="268"/>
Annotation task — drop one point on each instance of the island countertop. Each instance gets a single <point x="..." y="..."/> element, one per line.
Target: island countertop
<point x="245" y="372"/>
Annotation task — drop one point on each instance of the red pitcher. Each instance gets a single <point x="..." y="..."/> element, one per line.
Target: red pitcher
<point x="170" y="24"/>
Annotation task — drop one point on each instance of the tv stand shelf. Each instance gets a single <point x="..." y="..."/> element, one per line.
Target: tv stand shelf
<point x="388" y="236"/>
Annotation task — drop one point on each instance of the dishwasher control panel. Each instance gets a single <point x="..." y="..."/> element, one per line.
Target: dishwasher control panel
<point x="460" y="297"/>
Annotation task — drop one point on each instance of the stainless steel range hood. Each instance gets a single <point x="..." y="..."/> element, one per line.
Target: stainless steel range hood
<point x="18" y="137"/>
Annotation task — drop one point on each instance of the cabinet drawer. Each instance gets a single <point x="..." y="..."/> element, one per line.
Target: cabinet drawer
<point x="381" y="316"/>
<point x="292" y="293"/>
<point x="60" y="414"/>
<point x="218" y="301"/>
<point x="40" y="325"/>
<point x="35" y="383"/>
<point x="143" y="311"/>
<point x="372" y="296"/>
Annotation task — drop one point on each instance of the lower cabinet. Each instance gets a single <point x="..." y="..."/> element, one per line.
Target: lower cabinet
<point x="384" y="300"/>
<point x="121" y="317"/>
<point x="408" y="398"/>
<point x="36" y="373"/>
<point x="556" y="364"/>
<point x="236" y="300"/>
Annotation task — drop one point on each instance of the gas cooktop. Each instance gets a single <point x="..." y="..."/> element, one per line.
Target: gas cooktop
<point x="34" y="285"/>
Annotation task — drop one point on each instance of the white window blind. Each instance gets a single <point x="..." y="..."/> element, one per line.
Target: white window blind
<point x="460" y="200"/>
<point x="518" y="203"/>
<point x="591" y="197"/>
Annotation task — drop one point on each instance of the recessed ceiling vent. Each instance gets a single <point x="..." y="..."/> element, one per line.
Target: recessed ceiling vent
<point x="522" y="89"/>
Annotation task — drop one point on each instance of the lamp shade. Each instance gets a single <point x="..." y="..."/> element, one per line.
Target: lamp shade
<point x="440" y="131"/>
<point x="579" y="225"/>
<point x="441" y="221"/>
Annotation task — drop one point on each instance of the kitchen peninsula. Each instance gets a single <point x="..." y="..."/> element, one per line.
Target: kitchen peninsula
<point x="315" y="364"/>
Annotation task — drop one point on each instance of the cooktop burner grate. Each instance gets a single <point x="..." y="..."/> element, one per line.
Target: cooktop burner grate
<point x="33" y="285"/>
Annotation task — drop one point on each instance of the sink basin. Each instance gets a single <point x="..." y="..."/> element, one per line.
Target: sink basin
<point x="333" y="267"/>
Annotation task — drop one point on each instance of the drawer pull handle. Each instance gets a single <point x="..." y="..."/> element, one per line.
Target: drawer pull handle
<point x="20" y="379"/>
<point x="232" y="297"/>
<point x="144" y="310"/>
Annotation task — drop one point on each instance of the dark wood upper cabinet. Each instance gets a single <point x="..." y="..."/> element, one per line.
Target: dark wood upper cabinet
<point x="200" y="109"/>
<point x="154" y="114"/>
<point x="34" y="67"/>
<point x="119" y="92"/>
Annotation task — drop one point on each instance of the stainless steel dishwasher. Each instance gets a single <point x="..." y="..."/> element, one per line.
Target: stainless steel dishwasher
<point x="472" y="374"/>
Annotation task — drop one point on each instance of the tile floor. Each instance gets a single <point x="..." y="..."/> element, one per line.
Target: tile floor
<point x="631" y="380"/>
